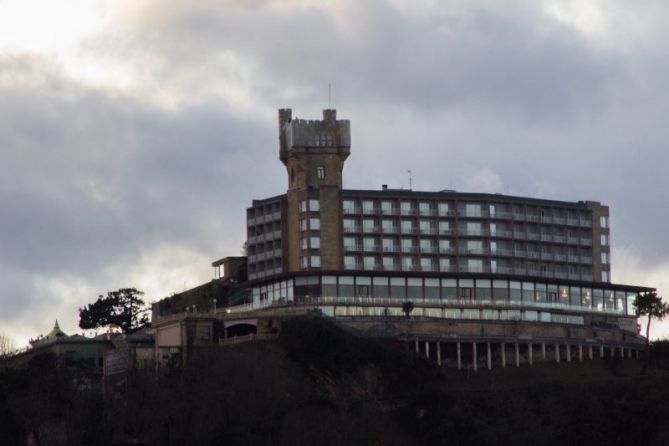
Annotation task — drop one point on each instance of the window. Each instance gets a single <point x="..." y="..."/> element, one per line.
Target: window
<point x="349" y="206"/>
<point x="474" y="246"/>
<point x="349" y="262"/>
<point x="605" y="258"/>
<point x="368" y="262"/>
<point x="304" y="262"/>
<point x="367" y="207"/>
<point x="388" y="245"/>
<point x="442" y="209"/>
<point x="315" y="261"/>
<point x="303" y="206"/>
<point x="303" y="224"/>
<point x="368" y="225"/>
<point x="492" y="210"/>
<point x="406" y="226"/>
<point x="444" y="227"/>
<point x="349" y="243"/>
<point x="349" y="225"/>
<point x="424" y="208"/>
<point x="405" y="207"/>
<point x="386" y="207"/>
<point x="315" y="243"/>
<point x="426" y="245"/>
<point x="426" y="264"/>
<point x="388" y="263"/>
<point x="444" y="245"/>
<point x="303" y="243"/>
<point x="475" y="265"/>
<point x="473" y="210"/>
<point x="315" y="223"/>
<point x="369" y="244"/>
<point x="605" y="276"/>
<point x="444" y="264"/>
<point x="474" y="228"/>
<point x="425" y="226"/>
<point x="314" y="205"/>
<point x="604" y="240"/>
<point x="603" y="221"/>
<point x="320" y="172"/>
<point x="387" y="226"/>
<point x="407" y="245"/>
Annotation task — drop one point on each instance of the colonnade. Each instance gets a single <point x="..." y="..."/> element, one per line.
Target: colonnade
<point x="521" y="351"/>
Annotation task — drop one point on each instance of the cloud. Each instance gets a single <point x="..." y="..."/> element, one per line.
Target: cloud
<point x="135" y="152"/>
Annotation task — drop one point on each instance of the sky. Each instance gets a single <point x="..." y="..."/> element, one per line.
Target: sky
<point x="134" y="133"/>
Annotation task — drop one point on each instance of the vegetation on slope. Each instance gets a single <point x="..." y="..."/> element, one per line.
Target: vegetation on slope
<point x="319" y="384"/>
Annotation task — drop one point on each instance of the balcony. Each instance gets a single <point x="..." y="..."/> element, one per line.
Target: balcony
<point x="533" y="236"/>
<point x="392" y="211"/>
<point x="351" y="229"/>
<point x="354" y="210"/>
<point x="371" y="248"/>
<point x="586" y="241"/>
<point x="391" y="230"/>
<point x="352" y="247"/>
<point x="371" y="229"/>
<point x="390" y="248"/>
<point x="428" y="249"/>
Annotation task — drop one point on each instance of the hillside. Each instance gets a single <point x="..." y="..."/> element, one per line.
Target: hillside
<point x="321" y="385"/>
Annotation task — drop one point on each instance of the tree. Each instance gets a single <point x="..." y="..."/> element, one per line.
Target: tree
<point x="407" y="308"/>
<point x="650" y="304"/>
<point x="6" y="344"/>
<point x="123" y="308"/>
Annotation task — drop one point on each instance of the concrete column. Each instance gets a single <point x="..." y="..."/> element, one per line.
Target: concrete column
<point x="417" y="347"/>
<point x="543" y="351"/>
<point x="517" y="355"/>
<point x="601" y="351"/>
<point x="529" y="353"/>
<point x="427" y="349"/>
<point x="503" y="354"/>
<point x="622" y="352"/>
<point x="580" y="352"/>
<point x="457" y="344"/>
<point x="629" y="352"/>
<point x="438" y="353"/>
<point x="636" y="353"/>
<point x="489" y="356"/>
<point x="474" y="358"/>
<point x="590" y="351"/>
<point x="613" y="352"/>
<point x="568" y="353"/>
<point x="557" y="353"/>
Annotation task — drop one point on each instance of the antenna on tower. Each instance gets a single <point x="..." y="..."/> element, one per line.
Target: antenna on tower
<point x="410" y="179"/>
<point x="329" y="95"/>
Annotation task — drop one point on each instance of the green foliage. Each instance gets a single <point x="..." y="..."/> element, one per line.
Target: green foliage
<point x="650" y="304"/>
<point x="123" y="308"/>
<point x="407" y="307"/>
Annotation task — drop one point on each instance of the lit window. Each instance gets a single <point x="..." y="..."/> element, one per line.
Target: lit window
<point x="314" y="205"/>
<point x="320" y="172"/>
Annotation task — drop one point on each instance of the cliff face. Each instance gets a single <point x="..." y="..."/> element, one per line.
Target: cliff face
<point x="321" y="385"/>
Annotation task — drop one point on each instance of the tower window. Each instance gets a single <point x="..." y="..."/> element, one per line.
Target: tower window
<point x="320" y="172"/>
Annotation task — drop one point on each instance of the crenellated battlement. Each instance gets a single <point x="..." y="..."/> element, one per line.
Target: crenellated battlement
<point x="313" y="133"/>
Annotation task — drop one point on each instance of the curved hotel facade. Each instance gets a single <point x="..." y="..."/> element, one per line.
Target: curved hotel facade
<point x="472" y="264"/>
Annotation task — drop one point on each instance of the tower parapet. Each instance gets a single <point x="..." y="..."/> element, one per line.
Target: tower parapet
<point x="310" y="134"/>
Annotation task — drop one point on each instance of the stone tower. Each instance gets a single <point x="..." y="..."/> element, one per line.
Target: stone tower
<point x="314" y="152"/>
